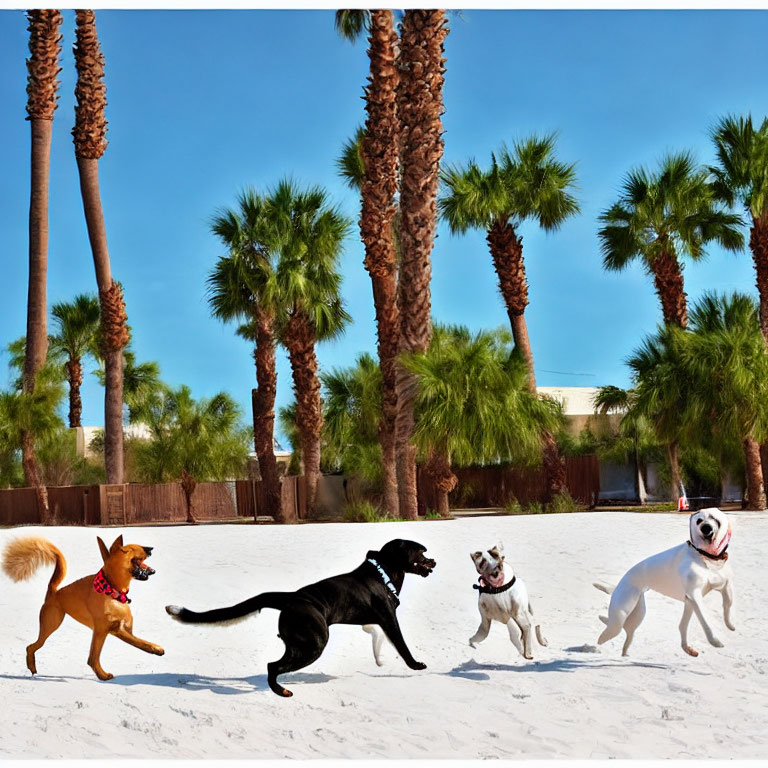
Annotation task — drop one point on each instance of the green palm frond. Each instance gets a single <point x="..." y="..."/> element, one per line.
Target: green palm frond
<point x="674" y="209"/>
<point x="351" y="24"/>
<point x="527" y="182"/>
<point x="350" y="164"/>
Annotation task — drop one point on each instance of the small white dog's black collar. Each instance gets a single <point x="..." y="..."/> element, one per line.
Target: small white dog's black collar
<point x="385" y="578"/>
<point x="484" y="588"/>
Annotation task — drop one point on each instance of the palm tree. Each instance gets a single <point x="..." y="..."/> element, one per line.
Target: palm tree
<point x="726" y="358"/>
<point x="42" y="85"/>
<point x="241" y="286"/>
<point x="141" y="383"/>
<point x="419" y="108"/>
<point x="663" y="390"/>
<point x="352" y="415"/>
<point x="742" y="176"/>
<point x="661" y="217"/>
<point x="528" y="183"/>
<point x="311" y="233"/>
<point x="76" y="329"/>
<point x="90" y="142"/>
<point x="29" y="413"/>
<point x="192" y="441"/>
<point x="473" y="405"/>
<point x="378" y="147"/>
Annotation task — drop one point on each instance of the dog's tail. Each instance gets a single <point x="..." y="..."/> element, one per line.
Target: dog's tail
<point x="22" y="557"/>
<point x="231" y="614"/>
<point x="603" y="587"/>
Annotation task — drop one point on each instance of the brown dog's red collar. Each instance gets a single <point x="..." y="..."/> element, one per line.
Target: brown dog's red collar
<point x="103" y="587"/>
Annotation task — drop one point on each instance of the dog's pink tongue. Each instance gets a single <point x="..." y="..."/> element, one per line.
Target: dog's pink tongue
<point x="496" y="581"/>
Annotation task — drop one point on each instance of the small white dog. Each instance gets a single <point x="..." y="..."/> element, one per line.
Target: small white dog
<point x="686" y="572"/>
<point x="507" y="603"/>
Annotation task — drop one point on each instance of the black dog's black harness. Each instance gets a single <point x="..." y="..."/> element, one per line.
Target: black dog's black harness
<point x="387" y="581"/>
<point x="485" y="589"/>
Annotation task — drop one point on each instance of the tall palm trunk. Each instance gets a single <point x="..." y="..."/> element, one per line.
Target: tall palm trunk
<point x="755" y="486"/>
<point x="380" y="155"/>
<point x="42" y="85"/>
<point x="507" y="253"/>
<point x="300" y="342"/>
<point x="438" y="469"/>
<point x="673" y="454"/>
<point x="758" y="244"/>
<point x="668" y="279"/>
<point x="74" y="373"/>
<point x="264" y="414"/>
<point x="420" y="105"/>
<point x="90" y="142"/>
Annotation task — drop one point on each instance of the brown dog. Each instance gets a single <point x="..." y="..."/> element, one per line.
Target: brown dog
<point x="99" y="601"/>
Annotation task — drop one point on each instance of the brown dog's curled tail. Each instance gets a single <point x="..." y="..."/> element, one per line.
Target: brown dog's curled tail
<point x="22" y="557"/>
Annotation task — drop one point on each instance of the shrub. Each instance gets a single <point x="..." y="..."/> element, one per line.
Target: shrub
<point x="534" y="508"/>
<point x="512" y="507"/>
<point x="563" y="503"/>
<point x="362" y="512"/>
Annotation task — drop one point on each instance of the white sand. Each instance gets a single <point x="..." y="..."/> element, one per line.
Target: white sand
<point x="208" y="698"/>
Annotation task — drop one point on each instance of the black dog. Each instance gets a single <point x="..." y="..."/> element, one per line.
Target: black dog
<point x="367" y="595"/>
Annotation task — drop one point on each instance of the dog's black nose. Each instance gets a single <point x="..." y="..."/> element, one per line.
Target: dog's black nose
<point x="707" y="530"/>
<point x="148" y="550"/>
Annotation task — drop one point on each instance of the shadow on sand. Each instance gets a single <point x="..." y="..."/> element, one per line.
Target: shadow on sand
<point x="220" y="685"/>
<point x="473" y="670"/>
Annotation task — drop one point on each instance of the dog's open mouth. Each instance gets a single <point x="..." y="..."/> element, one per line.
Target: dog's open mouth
<point x="423" y="566"/>
<point x="140" y="570"/>
<point x="494" y="578"/>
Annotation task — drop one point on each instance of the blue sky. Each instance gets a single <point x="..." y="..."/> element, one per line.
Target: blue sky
<point x="204" y="103"/>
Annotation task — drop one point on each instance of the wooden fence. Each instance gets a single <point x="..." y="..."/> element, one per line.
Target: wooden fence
<point x="496" y="486"/>
<point x="138" y="504"/>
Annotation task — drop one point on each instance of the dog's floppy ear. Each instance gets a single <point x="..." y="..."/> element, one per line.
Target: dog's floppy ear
<point x="475" y="556"/>
<point x="116" y="544"/>
<point x="103" y="549"/>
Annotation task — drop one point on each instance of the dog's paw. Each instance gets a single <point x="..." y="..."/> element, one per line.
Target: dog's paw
<point x="714" y="641"/>
<point x="471" y="643"/>
<point x="158" y="651"/>
<point x="417" y="665"/>
<point x="690" y="651"/>
<point x="730" y="626"/>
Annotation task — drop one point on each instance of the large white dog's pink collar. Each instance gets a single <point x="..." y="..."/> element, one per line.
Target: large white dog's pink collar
<point x="721" y="553"/>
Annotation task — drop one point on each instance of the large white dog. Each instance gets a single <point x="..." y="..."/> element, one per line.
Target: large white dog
<point x="686" y="572"/>
<point x="503" y="599"/>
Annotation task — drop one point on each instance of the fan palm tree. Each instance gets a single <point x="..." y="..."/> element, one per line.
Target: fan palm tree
<point x="76" y="325"/>
<point x="311" y="233"/>
<point x="377" y="157"/>
<point x="192" y="441"/>
<point x="528" y="183"/>
<point x="473" y="405"/>
<point x="89" y="136"/>
<point x="42" y="86"/>
<point x="663" y="390"/>
<point x="419" y="109"/>
<point x="727" y="361"/>
<point x="742" y="176"/>
<point x="661" y="217"/>
<point x="352" y="416"/>
<point x="141" y="383"/>
<point x="242" y="286"/>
